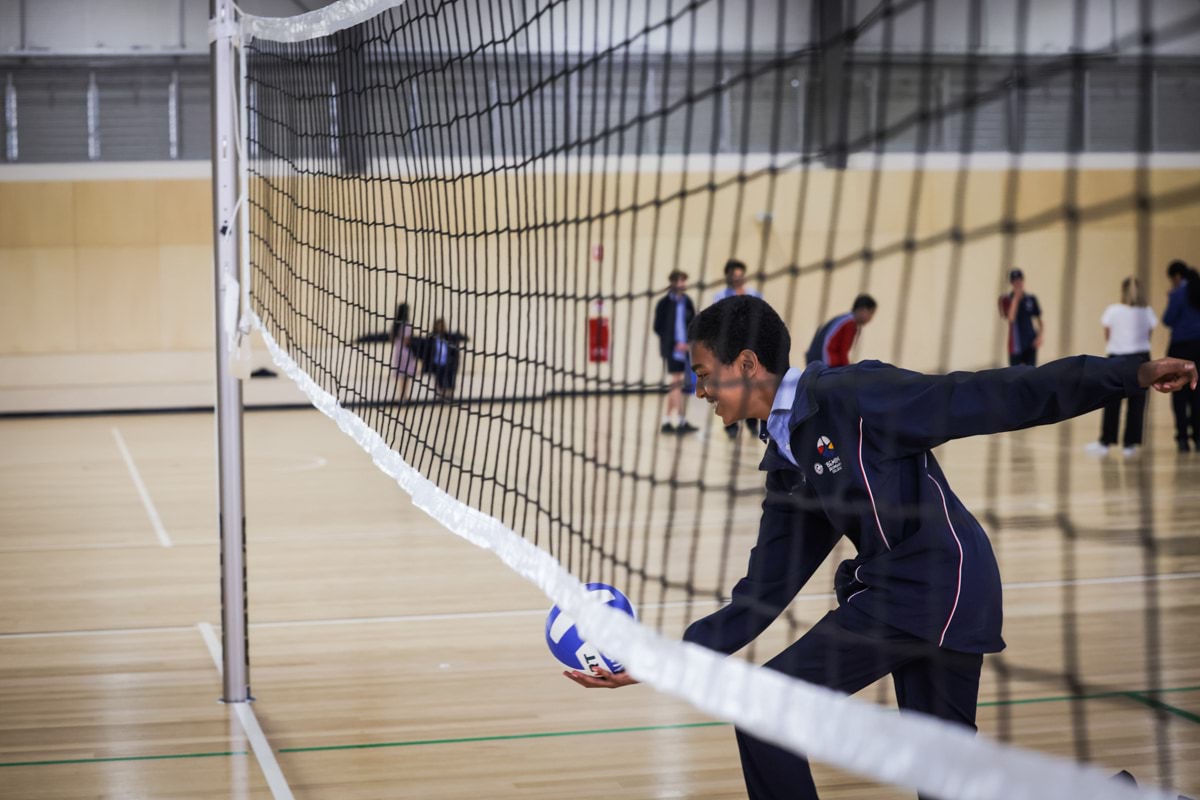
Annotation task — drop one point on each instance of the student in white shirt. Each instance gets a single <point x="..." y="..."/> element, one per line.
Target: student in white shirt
<point x="1127" y="327"/>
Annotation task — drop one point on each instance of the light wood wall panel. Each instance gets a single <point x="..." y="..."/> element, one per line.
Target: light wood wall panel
<point x="185" y="297"/>
<point x="118" y="302"/>
<point x="37" y="299"/>
<point x="115" y="213"/>
<point x="37" y="214"/>
<point x="183" y="210"/>
<point x="133" y="257"/>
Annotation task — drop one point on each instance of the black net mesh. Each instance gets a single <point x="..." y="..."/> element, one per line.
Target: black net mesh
<point x="447" y="199"/>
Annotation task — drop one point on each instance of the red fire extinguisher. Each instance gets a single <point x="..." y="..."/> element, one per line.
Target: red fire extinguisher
<point x="598" y="345"/>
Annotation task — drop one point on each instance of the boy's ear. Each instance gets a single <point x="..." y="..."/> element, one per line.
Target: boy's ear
<point x="749" y="362"/>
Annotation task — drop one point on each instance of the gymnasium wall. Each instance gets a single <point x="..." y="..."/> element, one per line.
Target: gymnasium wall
<point x="938" y="300"/>
<point x="106" y="290"/>
<point x="106" y="283"/>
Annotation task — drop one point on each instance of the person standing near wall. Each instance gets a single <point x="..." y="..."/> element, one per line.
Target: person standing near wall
<point x="1024" y="316"/>
<point x="1183" y="318"/>
<point x="672" y="316"/>
<point x="440" y="355"/>
<point x="735" y="285"/>
<point x="1127" y="327"/>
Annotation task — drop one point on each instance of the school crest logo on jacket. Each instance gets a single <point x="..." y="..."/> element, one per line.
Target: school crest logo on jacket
<point x="832" y="462"/>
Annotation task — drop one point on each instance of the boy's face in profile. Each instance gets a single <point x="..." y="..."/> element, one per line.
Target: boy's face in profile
<point x="722" y="385"/>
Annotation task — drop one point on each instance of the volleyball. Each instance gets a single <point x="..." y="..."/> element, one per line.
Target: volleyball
<point x="569" y="647"/>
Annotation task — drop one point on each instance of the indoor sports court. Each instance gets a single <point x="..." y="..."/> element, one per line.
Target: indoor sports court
<point x="354" y="359"/>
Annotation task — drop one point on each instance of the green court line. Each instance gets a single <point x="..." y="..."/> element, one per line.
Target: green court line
<point x="504" y="737"/>
<point x="1143" y="697"/>
<point x="1097" y="696"/>
<point x="1137" y="696"/>
<point x="120" y="758"/>
<point x="1158" y="704"/>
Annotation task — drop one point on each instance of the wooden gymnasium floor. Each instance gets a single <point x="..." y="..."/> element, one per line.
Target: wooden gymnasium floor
<point x="391" y="659"/>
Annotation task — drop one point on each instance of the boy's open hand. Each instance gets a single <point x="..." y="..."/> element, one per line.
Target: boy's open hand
<point x="602" y="679"/>
<point x="1167" y="374"/>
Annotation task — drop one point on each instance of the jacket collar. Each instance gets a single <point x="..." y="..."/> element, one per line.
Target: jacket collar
<point x="803" y="407"/>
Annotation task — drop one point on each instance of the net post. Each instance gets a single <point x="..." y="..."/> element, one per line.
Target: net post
<point x="230" y="482"/>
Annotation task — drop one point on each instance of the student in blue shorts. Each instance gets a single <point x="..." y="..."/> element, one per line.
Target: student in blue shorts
<point x="673" y="313"/>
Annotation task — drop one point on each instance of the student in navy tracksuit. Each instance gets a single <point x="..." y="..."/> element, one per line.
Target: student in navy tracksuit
<point x="1183" y="318"/>
<point x="440" y="354"/>
<point x="673" y="313"/>
<point x="850" y="456"/>
<point x="1024" y="316"/>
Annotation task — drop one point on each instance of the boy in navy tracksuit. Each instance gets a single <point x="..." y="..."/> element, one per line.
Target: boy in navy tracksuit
<point x="849" y="455"/>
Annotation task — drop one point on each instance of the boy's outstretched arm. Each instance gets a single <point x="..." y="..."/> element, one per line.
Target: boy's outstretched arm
<point x="908" y="412"/>
<point x="793" y="541"/>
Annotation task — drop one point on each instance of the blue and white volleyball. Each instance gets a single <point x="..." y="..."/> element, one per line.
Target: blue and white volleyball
<point x="569" y="647"/>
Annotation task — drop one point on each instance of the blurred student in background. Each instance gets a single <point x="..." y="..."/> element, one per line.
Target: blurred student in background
<point x="1183" y="318"/>
<point x="1127" y="327"/>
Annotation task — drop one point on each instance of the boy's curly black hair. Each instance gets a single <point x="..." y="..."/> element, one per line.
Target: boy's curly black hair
<point x="743" y="322"/>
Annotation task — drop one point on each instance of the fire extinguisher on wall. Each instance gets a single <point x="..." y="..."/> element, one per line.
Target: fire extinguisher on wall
<point x="598" y="345"/>
<point x="598" y="338"/>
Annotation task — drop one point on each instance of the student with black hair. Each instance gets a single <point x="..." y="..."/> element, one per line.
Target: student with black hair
<point x="735" y="282"/>
<point x="834" y="340"/>
<point x="673" y="313"/>
<point x="735" y="286"/>
<point x="440" y="354"/>
<point x="850" y="454"/>
<point x="388" y="335"/>
<point x="1183" y="318"/>
<point x="1024" y="316"/>
<point x="404" y="360"/>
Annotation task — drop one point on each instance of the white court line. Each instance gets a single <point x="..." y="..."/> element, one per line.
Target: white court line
<point x="155" y="520"/>
<point x="316" y="462"/>
<point x="245" y="714"/>
<point x="1171" y="576"/>
<point x="96" y="632"/>
<point x="533" y="612"/>
<point x="363" y="536"/>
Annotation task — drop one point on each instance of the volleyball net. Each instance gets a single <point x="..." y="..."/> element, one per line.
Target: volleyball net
<point x="461" y="216"/>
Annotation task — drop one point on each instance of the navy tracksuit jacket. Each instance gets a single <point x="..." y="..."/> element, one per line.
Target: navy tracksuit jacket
<point x="862" y="436"/>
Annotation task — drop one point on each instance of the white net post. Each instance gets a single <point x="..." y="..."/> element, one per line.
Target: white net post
<point x="230" y="482"/>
